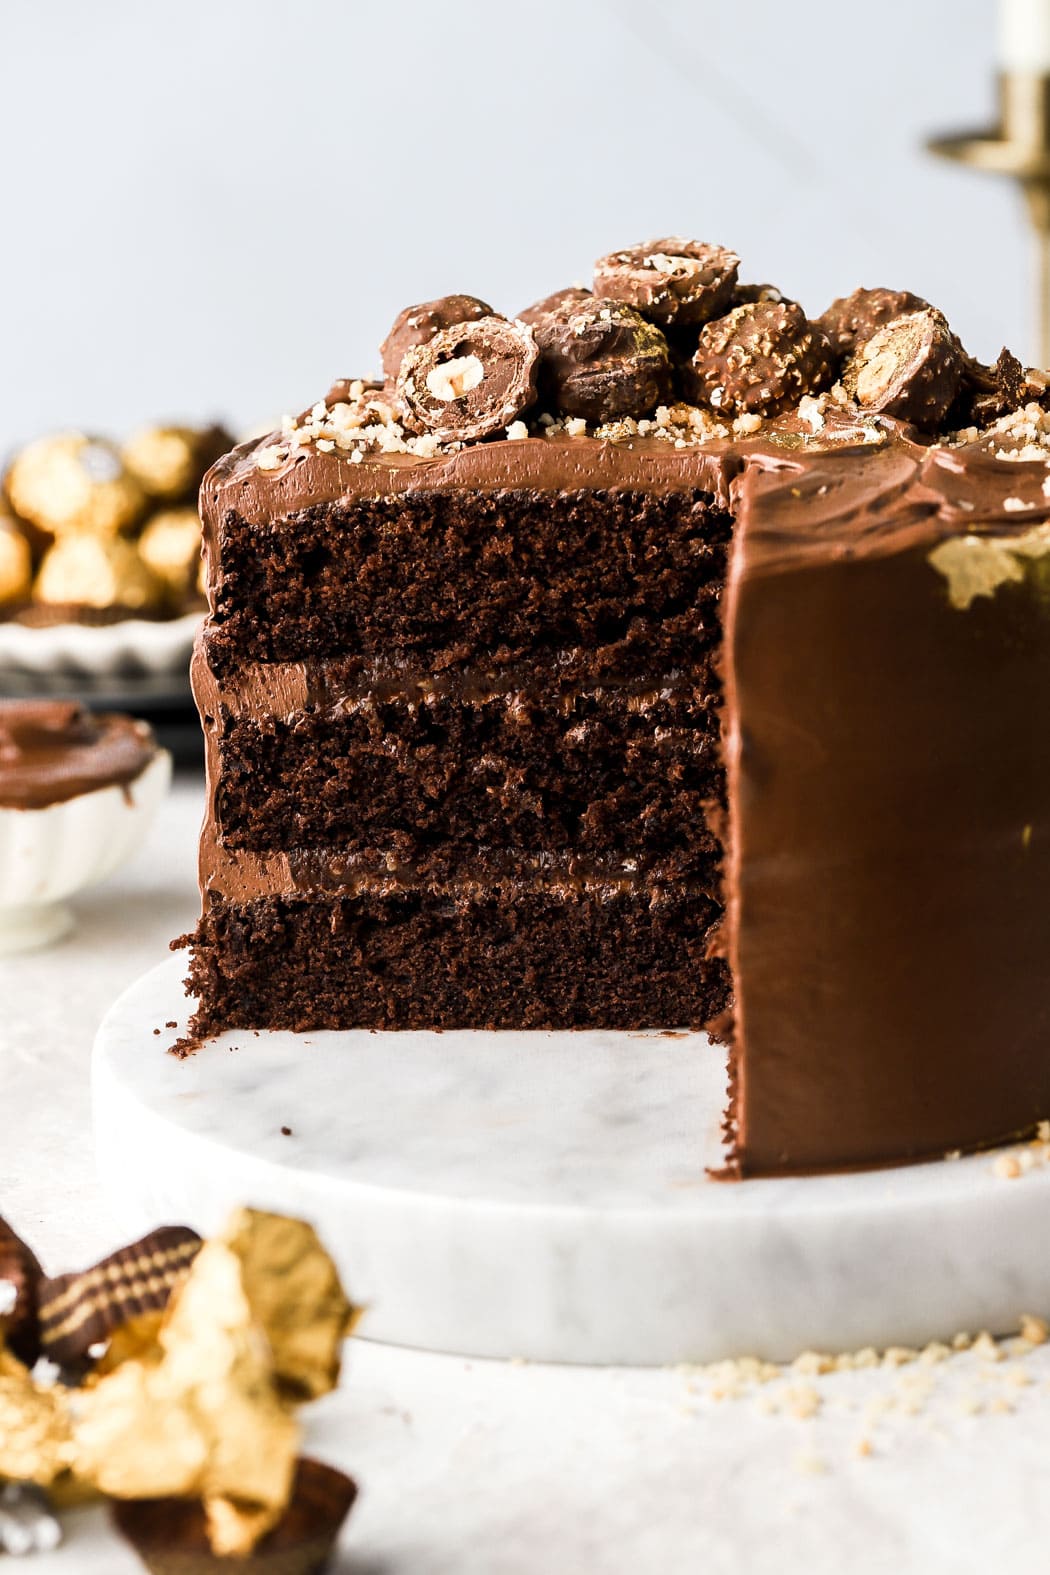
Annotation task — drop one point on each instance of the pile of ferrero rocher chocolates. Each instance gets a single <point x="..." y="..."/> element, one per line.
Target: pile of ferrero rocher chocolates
<point x="670" y="321"/>
<point x="93" y="532"/>
<point x="167" y="1378"/>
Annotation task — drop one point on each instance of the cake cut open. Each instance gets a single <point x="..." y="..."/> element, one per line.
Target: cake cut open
<point x="665" y="722"/>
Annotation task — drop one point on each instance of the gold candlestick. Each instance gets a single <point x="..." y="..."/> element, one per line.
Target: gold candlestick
<point x="1019" y="147"/>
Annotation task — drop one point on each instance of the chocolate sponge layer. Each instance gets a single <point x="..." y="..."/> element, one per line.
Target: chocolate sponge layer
<point x="451" y="577"/>
<point x="617" y="775"/>
<point x="478" y="958"/>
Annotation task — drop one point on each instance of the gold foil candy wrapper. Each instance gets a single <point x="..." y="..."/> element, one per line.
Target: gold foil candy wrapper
<point x="35" y="1438"/>
<point x="170" y="547"/>
<point x="204" y="1421"/>
<point x="293" y="1289"/>
<point x="98" y="571"/>
<point x="255" y="1327"/>
<point x="198" y="1403"/>
<point x="74" y="483"/>
<point x="16" y="563"/>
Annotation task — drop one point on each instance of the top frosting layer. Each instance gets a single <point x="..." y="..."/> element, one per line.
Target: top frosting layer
<point x="850" y="485"/>
<point x="55" y="750"/>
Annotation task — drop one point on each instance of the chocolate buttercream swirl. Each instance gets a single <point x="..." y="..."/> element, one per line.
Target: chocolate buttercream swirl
<point x="54" y="750"/>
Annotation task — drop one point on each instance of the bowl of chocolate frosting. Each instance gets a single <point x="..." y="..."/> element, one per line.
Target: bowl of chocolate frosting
<point x="78" y="791"/>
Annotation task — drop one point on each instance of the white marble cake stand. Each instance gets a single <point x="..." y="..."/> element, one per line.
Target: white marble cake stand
<point x="544" y="1195"/>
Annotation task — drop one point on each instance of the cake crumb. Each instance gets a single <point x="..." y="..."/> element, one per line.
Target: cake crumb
<point x="810" y="1464"/>
<point x="899" y="1355"/>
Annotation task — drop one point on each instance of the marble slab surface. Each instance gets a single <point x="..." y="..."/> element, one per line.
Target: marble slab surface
<point x="546" y="1195"/>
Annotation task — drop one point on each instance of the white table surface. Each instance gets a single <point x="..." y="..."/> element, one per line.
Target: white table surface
<point x="476" y="1468"/>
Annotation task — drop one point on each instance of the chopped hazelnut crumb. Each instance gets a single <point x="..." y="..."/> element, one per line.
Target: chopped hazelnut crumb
<point x="1035" y="1330"/>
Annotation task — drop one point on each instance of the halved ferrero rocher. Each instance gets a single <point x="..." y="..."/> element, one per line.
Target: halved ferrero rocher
<point x="468" y="381"/>
<point x="573" y="296"/>
<point x="418" y="324"/>
<point x="73" y="482"/>
<point x="852" y="319"/>
<point x="600" y="359"/>
<point x="171" y="546"/>
<point x="912" y="369"/>
<point x="169" y="462"/>
<point x="759" y="359"/>
<point x="16" y="563"/>
<point x="98" y="571"/>
<point x="671" y="280"/>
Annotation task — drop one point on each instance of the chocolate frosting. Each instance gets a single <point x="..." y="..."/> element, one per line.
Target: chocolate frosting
<point x="54" y="750"/>
<point x="887" y="759"/>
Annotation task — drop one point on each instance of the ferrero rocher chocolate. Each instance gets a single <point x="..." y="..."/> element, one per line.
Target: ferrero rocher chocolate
<point x="168" y="462"/>
<point x="16" y="563"/>
<point x="71" y="482"/>
<point x="171" y="546"/>
<point x="98" y="571"/>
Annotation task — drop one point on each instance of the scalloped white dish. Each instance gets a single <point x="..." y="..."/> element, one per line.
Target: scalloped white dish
<point x="134" y="648"/>
<point x="48" y="854"/>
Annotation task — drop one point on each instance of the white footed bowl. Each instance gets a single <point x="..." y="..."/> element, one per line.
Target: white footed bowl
<point x="48" y="854"/>
<point x="134" y="647"/>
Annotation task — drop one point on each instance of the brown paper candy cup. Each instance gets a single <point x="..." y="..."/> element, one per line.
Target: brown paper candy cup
<point x="170" y="1536"/>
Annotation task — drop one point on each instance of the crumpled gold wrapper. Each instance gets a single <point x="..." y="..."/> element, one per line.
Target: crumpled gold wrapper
<point x="201" y="1403"/>
<point x="73" y="482"/>
<point x="35" y="1440"/>
<point x="98" y="571"/>
<point x="294" y="1291"/>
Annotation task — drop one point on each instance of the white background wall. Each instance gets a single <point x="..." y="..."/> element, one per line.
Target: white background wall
<point x="217" y="206"/>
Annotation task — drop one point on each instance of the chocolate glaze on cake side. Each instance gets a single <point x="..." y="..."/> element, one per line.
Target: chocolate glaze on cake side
<point x="724" y="712"/>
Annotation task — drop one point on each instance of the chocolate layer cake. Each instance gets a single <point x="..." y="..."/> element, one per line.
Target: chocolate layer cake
<point x="660" y="658"/>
